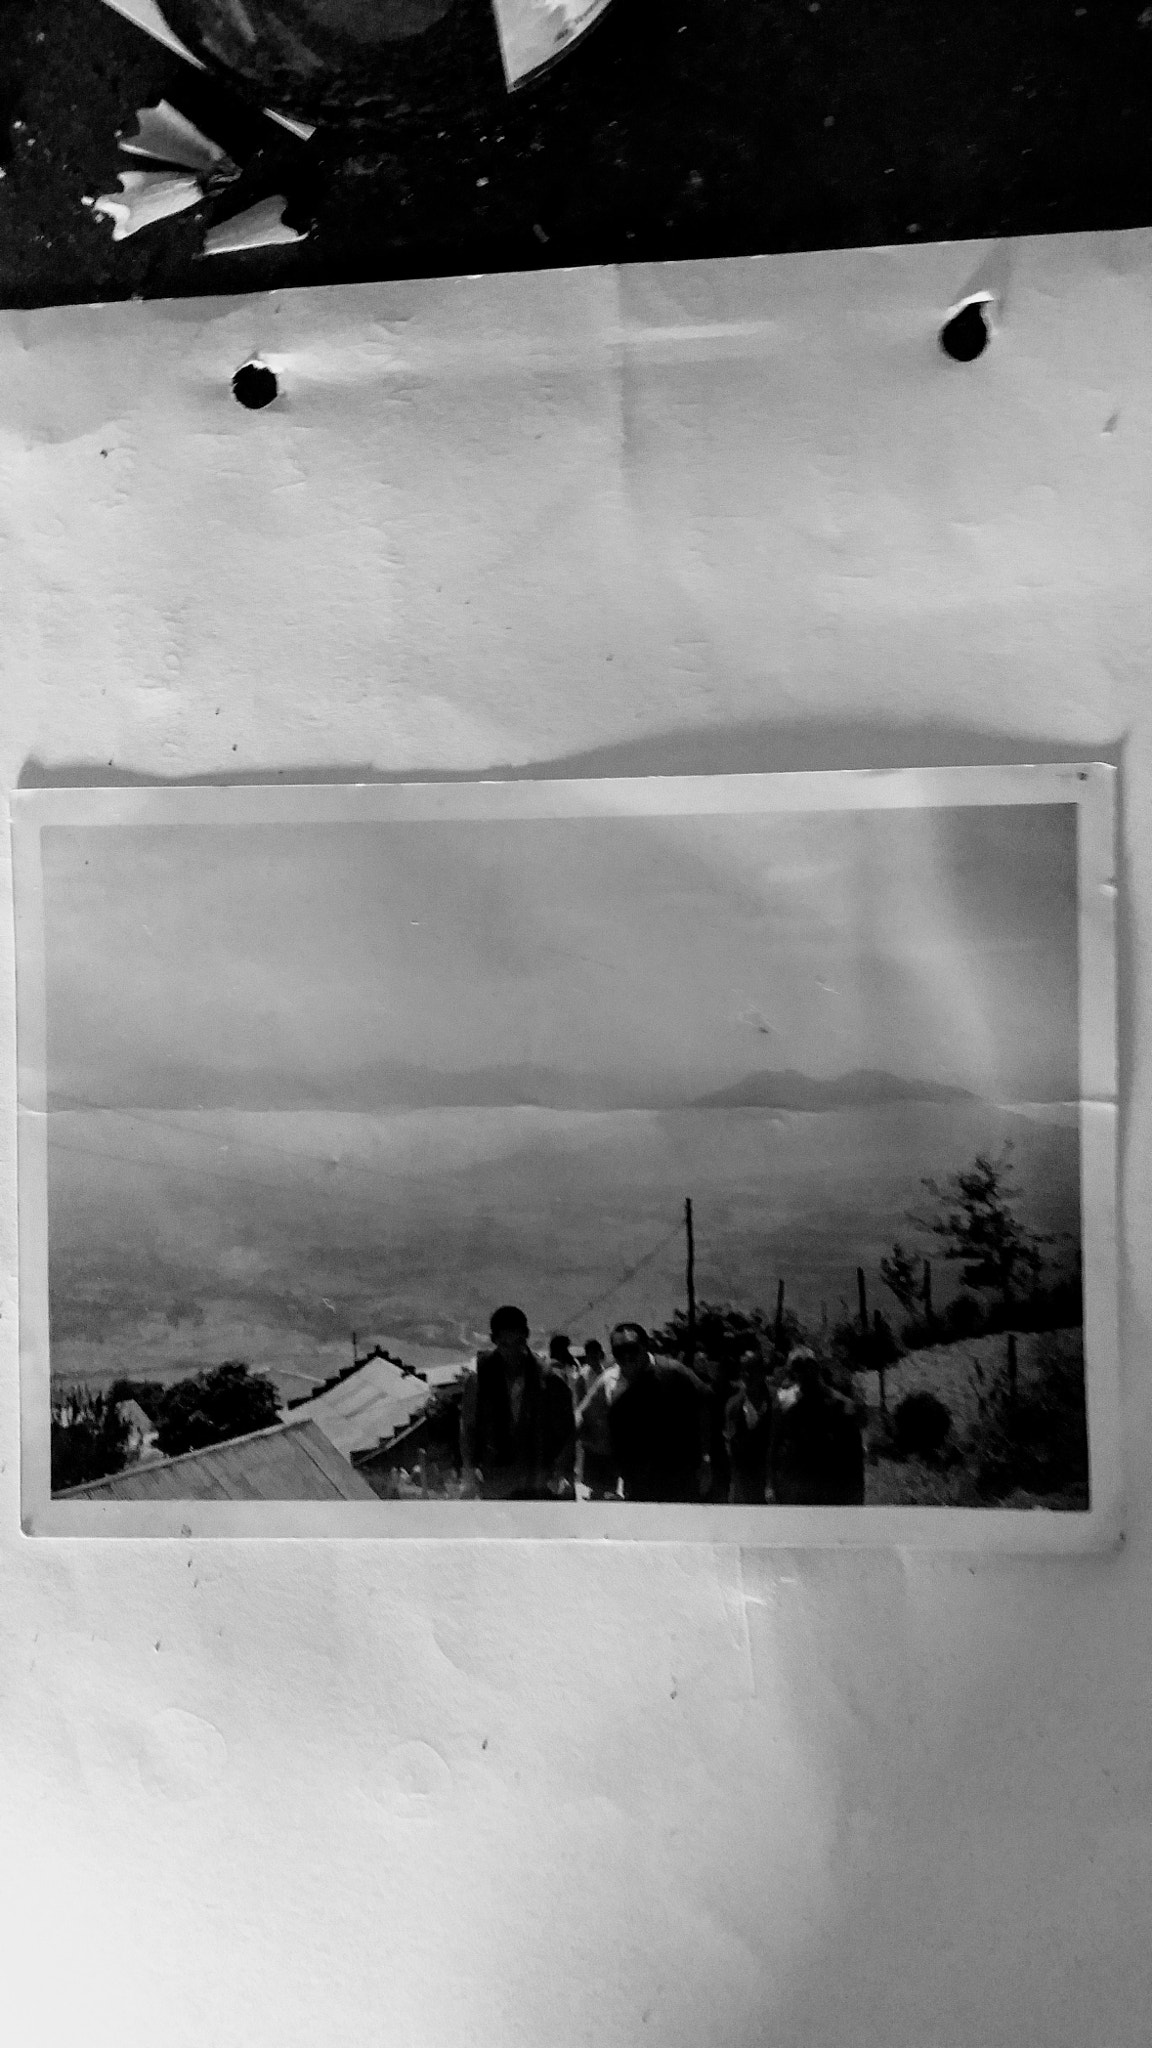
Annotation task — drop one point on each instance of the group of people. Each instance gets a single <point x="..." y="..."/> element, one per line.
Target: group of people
<point x="645" y="1427"/>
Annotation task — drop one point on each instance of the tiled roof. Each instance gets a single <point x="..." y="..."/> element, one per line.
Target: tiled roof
<point x="365" y="1406"/>
<point x="291" y="1461"/>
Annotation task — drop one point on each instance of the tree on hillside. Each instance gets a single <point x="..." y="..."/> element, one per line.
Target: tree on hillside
<point x="149" y="1394"/>
<point x="89" y="1438"/>
<point x="209" y="1407"/>
<point x="980" y="1229"/>
<point x="723" y="1334"/>
<point x="903" y="1275"/>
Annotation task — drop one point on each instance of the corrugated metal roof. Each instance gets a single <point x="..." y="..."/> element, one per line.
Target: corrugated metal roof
<point x="366" y="1406"/>
<point x="291" y="1461"/>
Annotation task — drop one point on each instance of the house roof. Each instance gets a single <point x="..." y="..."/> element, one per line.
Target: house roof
<point x="291" y="1461"/>
<point x="132" y="1412"/>
<point x="365" y="1407"/>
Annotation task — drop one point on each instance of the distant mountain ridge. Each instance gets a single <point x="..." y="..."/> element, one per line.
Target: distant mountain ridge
<point x="862" y="1088"/>
<point x="399" y="1085"/>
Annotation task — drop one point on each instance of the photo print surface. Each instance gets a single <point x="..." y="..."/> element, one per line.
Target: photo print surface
<point x="630" y="1157"/>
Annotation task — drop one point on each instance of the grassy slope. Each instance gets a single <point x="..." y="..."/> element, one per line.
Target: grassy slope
<point x="947" y="1370"/>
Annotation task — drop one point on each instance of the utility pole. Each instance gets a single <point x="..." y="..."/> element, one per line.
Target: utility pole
<point x="690" y="1275"/>
<point x="778" y="1327"/>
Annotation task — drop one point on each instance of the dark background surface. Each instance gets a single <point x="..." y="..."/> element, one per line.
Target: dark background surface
<point x="676" y="128"/>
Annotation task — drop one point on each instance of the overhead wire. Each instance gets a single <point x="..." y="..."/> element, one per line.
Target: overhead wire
<point x="629" y="1273"/>
<point x="160" y="1122"/>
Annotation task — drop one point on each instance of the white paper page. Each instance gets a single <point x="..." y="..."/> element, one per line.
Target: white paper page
<point x="684" y="520"/>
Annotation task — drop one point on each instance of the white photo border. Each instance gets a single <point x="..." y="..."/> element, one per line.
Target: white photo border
<point x="1090" y="786"/>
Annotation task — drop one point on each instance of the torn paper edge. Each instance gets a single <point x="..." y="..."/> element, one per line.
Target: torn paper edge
<point x="260" y="227"/>
<point x="167" y="136"/>
<point x="147" y="197"/>
<point x="986" y="299"/>
<point x="535" y="33"/>
<point x="145" y="15"/>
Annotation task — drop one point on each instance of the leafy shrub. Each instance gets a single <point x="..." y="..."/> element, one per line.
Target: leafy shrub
<point x="89" y="1438"/>
<point x="865" y="1350"/>
<point x="964" y="1316"/>
<point x="961" y="1319"/>
<point x="1057" y="1307"/>
<point x="921" y="1426"/>
<point x="919" y="1334"/>
<point x="1034" y="1440"/>
<point x="978" y="1222"/>
<point x="724" y="1334"/>
<point x="149" y="1394"/>
<point x="855" y="1350"/>
<point x="209" y="1407"/>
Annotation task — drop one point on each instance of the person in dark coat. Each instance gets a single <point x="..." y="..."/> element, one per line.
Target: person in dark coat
<point x="748" y="1433"/>
<point x="517" y="1425"/>
<point x="719" y="1378"/>
<point x="657" y="1422"/>
<point x="816" y="1457"/>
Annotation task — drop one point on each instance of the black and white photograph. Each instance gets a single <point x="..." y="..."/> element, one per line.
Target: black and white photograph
<point x="581" y="1158"/>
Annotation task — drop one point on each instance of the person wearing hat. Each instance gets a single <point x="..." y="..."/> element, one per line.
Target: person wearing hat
<point x="517" y="1427"/>
<point x="658" y="1422"/>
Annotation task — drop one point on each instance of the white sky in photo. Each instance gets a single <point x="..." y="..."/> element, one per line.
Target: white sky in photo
<point x="630" y="960"/>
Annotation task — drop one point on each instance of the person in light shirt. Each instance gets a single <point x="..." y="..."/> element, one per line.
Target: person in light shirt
<point x="596" y="1466"/>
